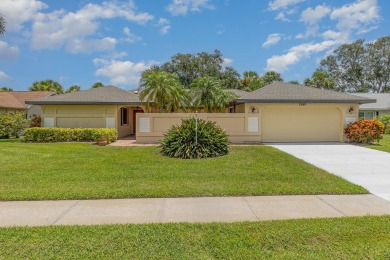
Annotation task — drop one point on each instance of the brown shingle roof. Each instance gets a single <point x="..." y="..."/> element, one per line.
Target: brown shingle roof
<point x="17" y="99"/>
<point x="280" y="92"/>
<point x="109" y="95"/>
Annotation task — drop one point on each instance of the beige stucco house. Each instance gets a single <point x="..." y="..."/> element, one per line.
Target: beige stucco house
<point x="13" y="101"/>
<point x="279" y="112"/>
<point x="373" y="110"/>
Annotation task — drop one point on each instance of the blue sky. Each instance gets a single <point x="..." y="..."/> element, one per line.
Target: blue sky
<point x="82" y="42"/>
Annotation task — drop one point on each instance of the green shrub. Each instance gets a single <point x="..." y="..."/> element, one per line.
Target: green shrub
<point x="55" y="134"/>
<point x="180" y="141"/>
<point x="364" y="131"/>
<point x="385" y="119"/>
<point x="12" y="125"/>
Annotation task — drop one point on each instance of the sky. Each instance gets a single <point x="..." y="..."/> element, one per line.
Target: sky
<point x="83" y="42"/>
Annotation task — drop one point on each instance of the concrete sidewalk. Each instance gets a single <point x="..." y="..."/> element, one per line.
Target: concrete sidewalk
<point x="203" y="209"/>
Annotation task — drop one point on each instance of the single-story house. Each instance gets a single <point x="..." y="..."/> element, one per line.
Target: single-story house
<point x="279" y="112"/>
<point x="13" y="101"/>
<point x="372" y="110"/>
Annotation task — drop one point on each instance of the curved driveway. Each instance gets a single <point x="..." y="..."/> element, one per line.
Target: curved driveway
<point x="363" y="166"/>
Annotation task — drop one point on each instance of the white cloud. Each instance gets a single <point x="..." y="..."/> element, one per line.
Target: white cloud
<point x="70" y="29"/>
<point x="227" y="61"/>
<point x="17" y="12"/>
<point x="358" y="15"/>
<point x="131" y="38"/>
<point x="164" y="25"/>
<point x="312" y="16"/>
<point x="8" y="52"/>
<point x="182" y="7"/>
<point x="272" y="39"/>
<point x="281" y="4"/>
<point x="280" y="63"/>
<point x="4" y="76"/>
<point x="282" y="17"/>
<point x="121" y="72"/>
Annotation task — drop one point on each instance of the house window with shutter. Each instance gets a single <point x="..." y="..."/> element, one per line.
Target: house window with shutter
<point x="124" y="116"/>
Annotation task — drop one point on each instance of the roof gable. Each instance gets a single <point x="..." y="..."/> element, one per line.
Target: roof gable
<point x="280" y="92"/>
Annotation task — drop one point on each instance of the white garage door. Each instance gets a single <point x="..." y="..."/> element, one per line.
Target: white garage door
<point x="300" y="124"/>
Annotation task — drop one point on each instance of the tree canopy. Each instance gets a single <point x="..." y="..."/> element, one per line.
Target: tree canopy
<point x="6" y="89"/>
<point x="2" y="25"/>
<point x="162" y="91"/>
<point x="320" y="79"/>
<point x="47" y="85"/>
<point x="360" y="66"/>
<point x="97" y="85"/>
<point x="188" y="67"/>
<point x="73" y="88"/>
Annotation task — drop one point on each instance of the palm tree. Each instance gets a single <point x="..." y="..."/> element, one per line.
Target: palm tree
<point x="207" y="92"/>
<point x="98" y="85"/>
<point x="2" y="25"/>
<point x="251" y="81"/>
<point x="73" y="88"/>
<point x="47" y="85"/>
<point x="271" y="76"/>
<point x="162" y="91"/>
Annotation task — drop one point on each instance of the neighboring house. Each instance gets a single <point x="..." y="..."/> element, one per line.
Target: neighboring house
<point x="279" y="112"/>
<point x="372" y="110"/>
<point x="13" y="101"/>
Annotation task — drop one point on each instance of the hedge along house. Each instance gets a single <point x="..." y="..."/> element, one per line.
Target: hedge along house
<point x="279" y="112"/>
<point x="105" y="107"/>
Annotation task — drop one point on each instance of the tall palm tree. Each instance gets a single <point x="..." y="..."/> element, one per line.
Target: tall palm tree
<point x="207" y="92"/>
<point x="47" y="85"/>
<point x="251" y="81"/>
<point x="271" y="76"/>
<point x="2" y="25"/>
<point x="162" y="91"/>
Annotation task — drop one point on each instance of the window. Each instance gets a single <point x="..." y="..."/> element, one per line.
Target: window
<point x="124" y="116"/>
<point x="369" y="115"/>
<point x="361" y="114"/>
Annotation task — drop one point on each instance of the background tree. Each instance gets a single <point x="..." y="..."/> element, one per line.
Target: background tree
<point x="98" y="85"/>
<point x="188" y="67"/>
<point x="271" y="76"/>
<point x="47" y="85"/>
<point x="320" y="79"/>
<point x="162" y="91"/>
<point x="6" y="89"/>
<point x="2" y="25"/>
<point x="360" y="67"/>
<point x="251" y="81"/>
<point x="208" y="93"/>
<point x="73" y="88"/>
<point x="294" y="82"/>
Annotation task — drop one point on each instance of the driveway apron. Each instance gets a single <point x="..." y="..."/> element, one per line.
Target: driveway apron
<point x="363" y="166"/>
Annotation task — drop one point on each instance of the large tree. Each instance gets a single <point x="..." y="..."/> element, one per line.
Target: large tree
<point x="360" y="66"/>
<point x="208" y="93"/>
<point x="162" y="91"/>
<point x="97" y="85"/>
<point x="47" y="85"/>
<point x="251" y="81"/>
<point x="188" y="67"/>
<point x="271" y="76"/>
<point x="2" y="25"/>
<point x="320" y="79"/>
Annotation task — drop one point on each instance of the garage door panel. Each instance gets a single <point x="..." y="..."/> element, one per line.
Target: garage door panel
<point x="297" y="124"/>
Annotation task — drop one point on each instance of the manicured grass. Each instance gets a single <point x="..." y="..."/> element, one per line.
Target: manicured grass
<point x="383" y="145"/>
<point x="341" y="238"/>
<point x="36" y="171"/>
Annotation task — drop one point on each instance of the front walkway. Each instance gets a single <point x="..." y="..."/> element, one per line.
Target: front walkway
<point x="128" y="141"/>
<point x="200" y="209"/>
<point x="363" y="166"/>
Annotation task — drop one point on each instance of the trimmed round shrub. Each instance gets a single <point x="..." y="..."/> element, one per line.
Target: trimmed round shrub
<point x="181" y="141"/>
<point x="365" y="131"/>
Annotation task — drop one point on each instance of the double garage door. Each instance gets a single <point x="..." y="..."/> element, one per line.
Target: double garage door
<point x="300" y="124"/>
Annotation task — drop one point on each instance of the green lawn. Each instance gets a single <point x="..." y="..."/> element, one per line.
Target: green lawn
<point x="383" y="145"/>
<point x="341" y="238"/>
<point x="36" y="171"/>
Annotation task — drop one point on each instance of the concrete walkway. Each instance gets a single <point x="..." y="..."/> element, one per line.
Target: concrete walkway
<point x="204" y="209"/>
<point x="363" y="166"/>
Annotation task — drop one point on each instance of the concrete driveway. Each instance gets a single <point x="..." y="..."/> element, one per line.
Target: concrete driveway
<point x="363" y="166"/>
